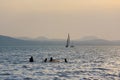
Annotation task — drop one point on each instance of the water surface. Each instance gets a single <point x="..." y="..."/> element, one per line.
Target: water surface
<point x="84" y="63"/>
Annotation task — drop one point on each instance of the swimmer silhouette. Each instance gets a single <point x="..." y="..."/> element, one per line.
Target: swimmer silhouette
<point x="51" y="59"/>
<point x="45" y="60"/>
<point x="31" y="59"/>
<point x="66" y="60"/>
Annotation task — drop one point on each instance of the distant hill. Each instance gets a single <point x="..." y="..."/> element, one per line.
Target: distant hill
<point x="10" y="41"/>
<point x="98" y="42"/>
<point x="41" y="38"/>
<point x="24" y="38"/>
<point x="89" y="38"/>
<point x="95" y="42"/>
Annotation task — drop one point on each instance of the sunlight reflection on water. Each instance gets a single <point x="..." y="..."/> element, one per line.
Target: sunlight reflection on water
<point x="84" y="63"/>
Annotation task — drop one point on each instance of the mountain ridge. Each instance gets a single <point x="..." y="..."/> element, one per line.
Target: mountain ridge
<point x="11" y="41"/>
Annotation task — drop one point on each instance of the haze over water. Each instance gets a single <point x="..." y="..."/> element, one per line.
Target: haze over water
<point x="57" y="18"/>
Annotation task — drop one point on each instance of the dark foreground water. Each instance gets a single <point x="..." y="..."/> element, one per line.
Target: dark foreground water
<point x="84" y="63"/>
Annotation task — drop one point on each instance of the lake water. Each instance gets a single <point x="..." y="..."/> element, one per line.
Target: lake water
<point x="84" y="63"/>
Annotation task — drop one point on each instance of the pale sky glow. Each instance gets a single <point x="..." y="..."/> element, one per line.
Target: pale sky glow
<point x="56" y="18"/>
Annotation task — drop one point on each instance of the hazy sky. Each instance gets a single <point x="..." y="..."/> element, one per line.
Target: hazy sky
<point x="56" y="18"/>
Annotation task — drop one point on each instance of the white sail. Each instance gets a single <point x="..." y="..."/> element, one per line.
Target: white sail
<point x="68" y="41"/>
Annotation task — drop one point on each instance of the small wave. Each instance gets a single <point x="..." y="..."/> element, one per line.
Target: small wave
<point x="103" y="69"/>
<point x="27" y="78"/>
<point x="85" y="79"/>
<point x="98" y="61"/>
<point x="112" y="75"/>
<point x="5" y="74"/>
<point x="91" y="78"/>
<point x="39" y="73"/>
<point x="56" y="78"/>
<point x="24" y="66"/>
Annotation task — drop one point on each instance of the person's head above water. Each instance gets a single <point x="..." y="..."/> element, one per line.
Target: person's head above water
<point x="31" y="59"/>
<point x="45" y="60"/>
<point x="51" y="59"/>
<point x="66" y="60"/>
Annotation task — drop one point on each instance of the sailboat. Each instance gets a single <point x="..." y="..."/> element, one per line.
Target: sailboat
<point x="68" y="42"/>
